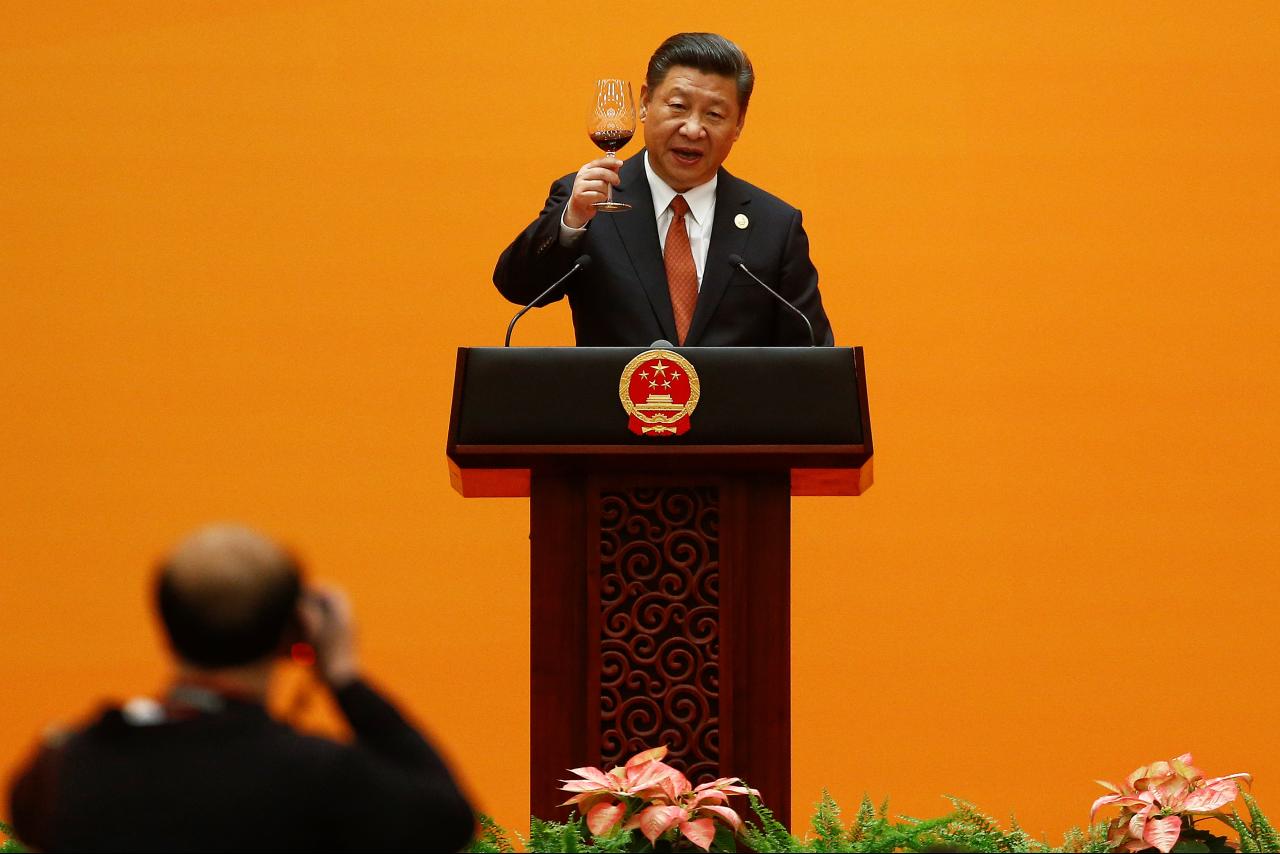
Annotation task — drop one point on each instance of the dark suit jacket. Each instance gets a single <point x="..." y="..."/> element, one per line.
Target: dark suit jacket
<point x="622" y="298"/>
<point x="236" y="780"/>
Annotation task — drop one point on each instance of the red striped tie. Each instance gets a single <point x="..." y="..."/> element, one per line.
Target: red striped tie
<point x="682" y="274"/>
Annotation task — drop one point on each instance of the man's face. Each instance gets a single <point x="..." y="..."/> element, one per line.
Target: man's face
<point x="691" y="121"/>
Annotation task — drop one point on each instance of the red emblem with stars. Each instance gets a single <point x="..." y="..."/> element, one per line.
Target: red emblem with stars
<point x="659" y="389"/>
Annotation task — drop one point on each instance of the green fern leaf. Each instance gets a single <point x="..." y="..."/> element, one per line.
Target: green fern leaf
<point x="1248" y="842"/>
<point x="826" y="824"/>
<point x="1263" y="831"/>
<point x="492" y="839"/>
<point x="771" y="836"/>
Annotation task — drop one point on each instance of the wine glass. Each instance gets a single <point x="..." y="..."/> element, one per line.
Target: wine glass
<point x="611" y="123"/>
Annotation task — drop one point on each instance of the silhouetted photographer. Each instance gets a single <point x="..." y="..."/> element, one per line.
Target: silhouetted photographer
<point x="205" y="768"/>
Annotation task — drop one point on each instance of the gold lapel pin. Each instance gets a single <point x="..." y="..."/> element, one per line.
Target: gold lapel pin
<point x="741" y="221"/>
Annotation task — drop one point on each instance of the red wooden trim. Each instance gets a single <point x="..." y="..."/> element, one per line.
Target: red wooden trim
<point x="655" y="450"/>
<point x="489" y="483"/>
<point x="832" y="481"/>
<point x="514" y="483"/>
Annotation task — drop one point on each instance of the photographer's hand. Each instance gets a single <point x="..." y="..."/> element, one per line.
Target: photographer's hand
<point x="328" y="625"/>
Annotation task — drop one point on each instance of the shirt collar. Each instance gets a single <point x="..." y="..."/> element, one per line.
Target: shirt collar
<point x="701" y="198"/>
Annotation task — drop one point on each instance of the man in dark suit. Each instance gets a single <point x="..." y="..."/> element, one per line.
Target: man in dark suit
<point x="661" y="270"/>
<point x="204" y="768"/>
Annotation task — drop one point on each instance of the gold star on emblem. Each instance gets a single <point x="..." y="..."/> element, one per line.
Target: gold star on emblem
<point x="659" y="368"/>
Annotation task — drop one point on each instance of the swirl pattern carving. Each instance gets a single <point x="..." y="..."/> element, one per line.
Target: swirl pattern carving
<point x="660" y="626"/>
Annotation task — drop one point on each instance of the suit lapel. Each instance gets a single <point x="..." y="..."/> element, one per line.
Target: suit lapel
<point x="732" y="197"/>
<point x="639" y="233"/>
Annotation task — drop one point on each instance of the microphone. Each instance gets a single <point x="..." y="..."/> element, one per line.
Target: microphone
<point x="736" y="260"/>
<point x="661" y="344"/>
<point x="583" y="262"/>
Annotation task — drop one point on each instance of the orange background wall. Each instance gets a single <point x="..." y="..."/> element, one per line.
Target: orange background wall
<point x="240" y="242"/>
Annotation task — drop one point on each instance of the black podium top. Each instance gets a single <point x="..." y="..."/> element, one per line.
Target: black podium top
<point x="770" y="407"/>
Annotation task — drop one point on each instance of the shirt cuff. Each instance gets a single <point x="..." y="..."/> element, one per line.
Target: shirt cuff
<point x="569" y="236"/>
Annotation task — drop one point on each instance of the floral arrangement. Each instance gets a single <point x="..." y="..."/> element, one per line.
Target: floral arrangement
<point x="1161" y="800"/>
<point x="646" y="805"/>
<point x="649" y="795"/>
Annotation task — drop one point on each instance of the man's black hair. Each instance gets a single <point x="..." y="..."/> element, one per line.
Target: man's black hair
<point x="708" y="53"/>
<point x="203" y="637"/>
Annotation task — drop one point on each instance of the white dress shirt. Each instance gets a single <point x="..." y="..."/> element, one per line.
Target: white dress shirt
<point x="702" y="212"/>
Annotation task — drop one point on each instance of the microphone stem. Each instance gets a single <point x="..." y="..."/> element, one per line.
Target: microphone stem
<point x="539" y="298"/>
<point x="813" y="342"/>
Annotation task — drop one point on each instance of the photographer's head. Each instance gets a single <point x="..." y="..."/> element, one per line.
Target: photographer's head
<point x="228" y="597"/>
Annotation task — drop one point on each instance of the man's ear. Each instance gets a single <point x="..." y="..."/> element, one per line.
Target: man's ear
<point x="644" y="100"/>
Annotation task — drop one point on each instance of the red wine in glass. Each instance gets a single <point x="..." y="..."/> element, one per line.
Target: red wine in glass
<point x="611" y="122"/>
<point x="611" y="140"/>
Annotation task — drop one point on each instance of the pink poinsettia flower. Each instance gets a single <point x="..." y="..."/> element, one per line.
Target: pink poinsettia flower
<point x="648" y="795"/>
<point x="1159" y="799"/>
<point x="602" y="817"/>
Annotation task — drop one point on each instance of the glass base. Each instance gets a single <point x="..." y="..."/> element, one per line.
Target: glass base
<point x="611" y="207"/>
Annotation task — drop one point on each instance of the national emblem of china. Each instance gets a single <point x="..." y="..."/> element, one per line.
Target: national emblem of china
<point x="659" y="390"/>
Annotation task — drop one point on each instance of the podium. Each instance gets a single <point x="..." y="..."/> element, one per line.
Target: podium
<point x="660" y="563"/>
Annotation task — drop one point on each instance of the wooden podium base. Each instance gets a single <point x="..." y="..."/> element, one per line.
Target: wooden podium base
<point x="661" y="615"/>
<point x="660" y="570"/>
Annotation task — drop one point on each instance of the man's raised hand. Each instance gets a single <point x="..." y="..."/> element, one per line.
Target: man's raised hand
<point x="591" y="185"/>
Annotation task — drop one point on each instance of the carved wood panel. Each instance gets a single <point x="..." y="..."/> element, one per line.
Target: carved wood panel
<point x="660" y="626"/>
